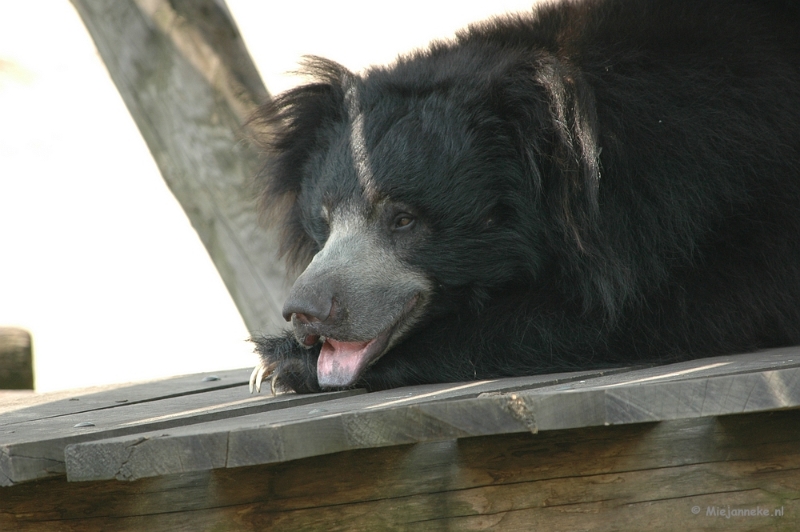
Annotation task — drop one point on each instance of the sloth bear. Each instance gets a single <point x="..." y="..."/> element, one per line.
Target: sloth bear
<point x="594" y="183"/>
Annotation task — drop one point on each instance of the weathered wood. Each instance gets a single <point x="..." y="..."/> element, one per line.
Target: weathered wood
<point x="34" y="449"/>
<point x="345" y="463"/>
<point x="710" y="387"/>
<point x="292" y="433"/>
<point x="62" y="403"/>
<point x="16" y="359"/>
<point x="33" y="440"/>
<point x="187" y="80"/>
<point x="778" y="358"/>
<point x="633" y="477"/>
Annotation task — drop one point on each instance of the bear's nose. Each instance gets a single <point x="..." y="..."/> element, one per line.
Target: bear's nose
<point x="308" y="310"/>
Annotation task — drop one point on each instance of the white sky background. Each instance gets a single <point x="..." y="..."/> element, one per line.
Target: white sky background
<point x="97" y="259"/>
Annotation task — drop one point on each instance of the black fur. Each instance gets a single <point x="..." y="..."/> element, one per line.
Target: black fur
<point x="600" y="182"/>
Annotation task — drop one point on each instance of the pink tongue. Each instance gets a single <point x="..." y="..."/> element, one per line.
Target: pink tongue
<point x="341" y="363"/>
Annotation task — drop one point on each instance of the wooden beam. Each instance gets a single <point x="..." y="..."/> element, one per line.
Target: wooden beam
<point x="673" y="475"/>
<point x="184" y="73"/>
<point x="16" y="359"/>
<point x="699" y="388"/>
<point x="42" y="406"/>
<point x="32" y="440"/>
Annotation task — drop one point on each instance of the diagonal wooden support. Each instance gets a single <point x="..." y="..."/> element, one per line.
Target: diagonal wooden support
<point x="189" y="83"/>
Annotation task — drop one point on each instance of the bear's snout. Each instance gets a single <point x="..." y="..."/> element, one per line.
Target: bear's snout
<point x="311" y="308"/>
<point x="307" y="309"/>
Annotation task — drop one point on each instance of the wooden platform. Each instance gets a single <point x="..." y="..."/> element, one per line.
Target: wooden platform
<point x="712" y="444"/>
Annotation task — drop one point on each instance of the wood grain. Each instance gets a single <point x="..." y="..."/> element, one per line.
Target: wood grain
<point x="631" y="477"/>
<point x="292" y="433"/>
<point x="711" y="387"/>
<point x="185" y="76"/>
<point x="32" y="441"/>
<point x="61" y="403"/>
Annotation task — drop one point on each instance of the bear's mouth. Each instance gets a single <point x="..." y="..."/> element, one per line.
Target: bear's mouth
<point x="341" y="364"/>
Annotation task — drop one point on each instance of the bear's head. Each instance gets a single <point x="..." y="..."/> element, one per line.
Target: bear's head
<point x="407" y="194"/>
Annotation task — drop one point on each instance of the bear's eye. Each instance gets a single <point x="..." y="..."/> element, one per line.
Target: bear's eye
<point x="403" y="221"/>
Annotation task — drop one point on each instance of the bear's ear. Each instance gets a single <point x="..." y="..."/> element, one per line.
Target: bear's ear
<point x="288" y="133"/>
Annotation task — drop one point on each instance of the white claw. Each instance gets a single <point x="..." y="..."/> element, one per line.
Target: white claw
<point x="258" y="374"/>
<point x="253" y="378"/>
<point x="263" y="371"/>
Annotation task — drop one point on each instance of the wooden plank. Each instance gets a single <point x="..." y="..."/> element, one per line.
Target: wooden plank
<point x="549" y="409"/>
<point x="378" y="420"/>
<point x="633" y="399"/>
<point x="35" y="449"/>
<point x="44" y="406"/>
<point x="16" y="359"/>
<point x="617" y="478"/>
<point x="293" y="433"/>
<point x="784" y="357"/>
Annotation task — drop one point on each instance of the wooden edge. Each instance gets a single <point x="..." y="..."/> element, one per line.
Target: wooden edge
<point x="203" y="447"/>
<point x="634" y="477"/>
<point x="66" y="402"/>
<point x="28" y="458"/>
<point x="338" y="405"/>
<point x="23" y="461"/>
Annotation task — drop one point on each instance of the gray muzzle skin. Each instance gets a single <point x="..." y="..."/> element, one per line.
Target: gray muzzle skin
<point x="354" y="289"/>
